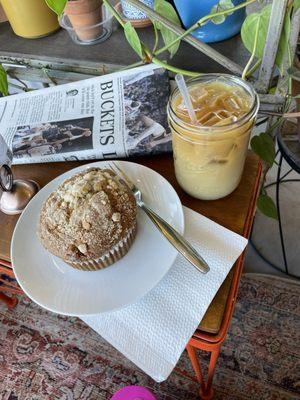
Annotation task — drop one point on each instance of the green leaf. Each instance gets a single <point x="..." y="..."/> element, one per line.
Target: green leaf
<point x="3" y="81"/>
<point x="133" y="39"/>
<point x="223" y="5"/>
<point x="267" y="206"/>
<point x="166" y="10"/>
<point x="263" y="146"/>
<point x="249" y="28"/>
<point x="248" y="34"/>
<point x="296" y="4"/>
<point x="56" y="5"/>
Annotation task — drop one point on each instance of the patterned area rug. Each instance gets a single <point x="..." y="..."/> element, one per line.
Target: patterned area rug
<point x="49" y="357"/>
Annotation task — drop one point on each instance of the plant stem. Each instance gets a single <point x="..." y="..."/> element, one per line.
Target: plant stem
<point x="156" y="37"/>
<point x="122" y="23"/>
<point x="163" y="64"/>
<point x="114" y="12"/>
<point x="48" y="76"/>
<point x="174" y="69"/>
<point x="20" y="87"/>
<point x="254" y="68"/>
<point x="244" y="74"/>
<point x="200" y="22"/>
<point x="275" y="125"/>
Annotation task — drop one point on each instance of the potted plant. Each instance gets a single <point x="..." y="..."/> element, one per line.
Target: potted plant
<point x="30" y="18"/>
<point x="86" y="21"/>
<point x="219" y="28"/>
<point x="85" y="17"/>
<point x="134" y="15"/>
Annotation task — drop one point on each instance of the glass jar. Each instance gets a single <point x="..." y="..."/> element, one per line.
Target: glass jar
<point x="209" y="160"/>
<point x="85" y="31"/>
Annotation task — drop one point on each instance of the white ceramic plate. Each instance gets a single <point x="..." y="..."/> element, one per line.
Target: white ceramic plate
<point x="60" y="288"/>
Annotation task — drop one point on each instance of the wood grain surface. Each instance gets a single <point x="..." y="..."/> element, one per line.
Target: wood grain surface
<point x="232" y="211"/>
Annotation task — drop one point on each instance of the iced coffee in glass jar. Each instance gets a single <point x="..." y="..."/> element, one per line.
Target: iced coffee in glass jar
<point x="209" y="155"/>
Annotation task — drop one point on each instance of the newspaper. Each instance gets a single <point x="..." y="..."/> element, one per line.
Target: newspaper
<point x="5" y="153"/>
<point x="114" y="115"/>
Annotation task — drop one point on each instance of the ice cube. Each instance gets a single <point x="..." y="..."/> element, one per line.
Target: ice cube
<point x="209" y="119"/>
<point x="227" y="121"/>
<point x="231" y="103"/>
<point x="198" y="95"/>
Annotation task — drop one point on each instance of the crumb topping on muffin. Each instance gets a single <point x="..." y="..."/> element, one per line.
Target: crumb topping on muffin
<point x="87" y="215"/>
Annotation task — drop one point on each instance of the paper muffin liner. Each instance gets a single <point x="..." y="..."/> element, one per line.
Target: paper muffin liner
<point x="112" y="256"/>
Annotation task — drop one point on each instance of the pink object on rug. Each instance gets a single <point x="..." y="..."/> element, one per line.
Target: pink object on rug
<point x="133" y="393"/>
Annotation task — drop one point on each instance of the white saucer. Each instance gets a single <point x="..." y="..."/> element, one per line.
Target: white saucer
<point x="56" y="286"/>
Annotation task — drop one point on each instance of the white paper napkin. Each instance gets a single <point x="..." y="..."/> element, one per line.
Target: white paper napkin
<point x="154" y="331"/>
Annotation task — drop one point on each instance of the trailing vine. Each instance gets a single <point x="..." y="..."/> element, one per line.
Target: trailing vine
<point x="170" y="39"/>
<point x="264" y="143"/>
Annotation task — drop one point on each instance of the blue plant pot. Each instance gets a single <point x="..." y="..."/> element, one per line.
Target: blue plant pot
<point x="190" y="11"/>
<point x="132" y="12"/>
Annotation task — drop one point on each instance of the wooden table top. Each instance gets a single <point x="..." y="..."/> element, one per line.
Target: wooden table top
<point x="233" y="212"/>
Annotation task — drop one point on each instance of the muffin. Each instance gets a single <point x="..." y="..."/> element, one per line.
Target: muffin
<point x="90" y="220"/>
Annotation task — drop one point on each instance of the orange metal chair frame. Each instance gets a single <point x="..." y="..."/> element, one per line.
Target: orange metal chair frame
<point x="212" y="342"/>
<point x="8" y="287"/>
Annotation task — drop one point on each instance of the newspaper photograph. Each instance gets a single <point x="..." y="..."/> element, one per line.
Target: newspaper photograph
<point x="114" y="115"/>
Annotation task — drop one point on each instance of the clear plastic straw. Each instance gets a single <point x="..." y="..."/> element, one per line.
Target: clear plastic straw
<point x="186" y="97"/>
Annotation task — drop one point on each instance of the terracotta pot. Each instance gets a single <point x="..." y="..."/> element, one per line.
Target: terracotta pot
<point x="84" y="15"/>
<point x="30" y="18"/>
